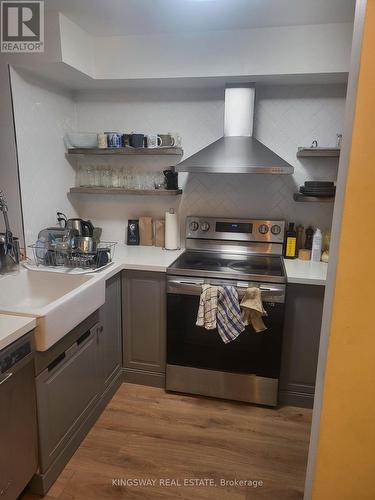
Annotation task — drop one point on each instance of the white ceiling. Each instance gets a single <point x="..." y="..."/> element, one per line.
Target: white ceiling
<point x="139" y="17"/>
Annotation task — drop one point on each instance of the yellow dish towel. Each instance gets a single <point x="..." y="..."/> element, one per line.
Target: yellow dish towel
<point x="207" y="307"/>
<point x="252" y="309"/>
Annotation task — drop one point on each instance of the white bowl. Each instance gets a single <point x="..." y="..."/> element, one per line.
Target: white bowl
<point x="81" y="140"/>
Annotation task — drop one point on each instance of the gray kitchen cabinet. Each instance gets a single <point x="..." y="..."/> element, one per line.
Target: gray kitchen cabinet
<point x="303" y="317"/>
<point x="144" y="327"/>
<point x="110" y="334"/>
<point x="66" y="392"/>
<point x="75" y="380"/>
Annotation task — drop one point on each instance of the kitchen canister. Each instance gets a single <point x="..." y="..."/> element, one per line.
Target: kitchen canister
<point x="146" y="231"/>
<point x="172" y="232"/>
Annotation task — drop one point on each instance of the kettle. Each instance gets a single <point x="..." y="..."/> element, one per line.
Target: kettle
<point x="81" y="227"/>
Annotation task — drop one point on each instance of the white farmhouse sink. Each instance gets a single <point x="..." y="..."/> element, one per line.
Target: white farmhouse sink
<point x="58" y="301"/>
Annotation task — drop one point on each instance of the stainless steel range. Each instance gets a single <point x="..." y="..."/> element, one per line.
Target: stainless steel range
<point x="226" y="252"/>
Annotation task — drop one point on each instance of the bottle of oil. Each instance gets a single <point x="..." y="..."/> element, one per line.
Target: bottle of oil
<point x="291" y="242"/>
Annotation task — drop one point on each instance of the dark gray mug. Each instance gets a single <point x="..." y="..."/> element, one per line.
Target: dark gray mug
<point x="136" y="140"/>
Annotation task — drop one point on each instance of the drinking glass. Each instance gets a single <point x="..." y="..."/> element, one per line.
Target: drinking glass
<point x="131" y="181"/>
<point x="80" y="176"/>
<point x="146" y="181"/>
<point x="159" y="181"/>
<point x="116" y="177"/>
<point x="91" y="176"/>
<point x="98" y="177"/>
<point x="137" y="181"/>
<point x="107" y="177"/>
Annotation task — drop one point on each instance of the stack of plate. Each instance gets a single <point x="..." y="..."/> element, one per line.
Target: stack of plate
<point x="319" y="189"/>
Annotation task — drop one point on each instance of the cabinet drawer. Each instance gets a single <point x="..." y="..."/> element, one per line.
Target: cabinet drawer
<point x="66" y="392"/>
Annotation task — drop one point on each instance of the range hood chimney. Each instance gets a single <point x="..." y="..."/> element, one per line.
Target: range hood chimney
<point x="238" y="152"/>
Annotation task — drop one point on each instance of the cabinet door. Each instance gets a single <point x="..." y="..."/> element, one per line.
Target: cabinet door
<point x="303" y="317"/>
<point x="110" y="337"/>
<point x="144" y="321"/>
<point x="18" y="431"/>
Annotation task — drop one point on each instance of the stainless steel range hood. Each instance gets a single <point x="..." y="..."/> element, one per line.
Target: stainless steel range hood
<point x="238" y="152"/>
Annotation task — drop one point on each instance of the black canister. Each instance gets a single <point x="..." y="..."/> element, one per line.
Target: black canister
<point x="133" y="232"/>
<point x="309" y="238"/>
<point x="171" y="178"/>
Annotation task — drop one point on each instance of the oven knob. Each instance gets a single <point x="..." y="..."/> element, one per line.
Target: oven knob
<point x="205" y="226"/>
<point x="276" y="229"/>
<point x="193" y="226"/>
<point x="263" y="229"/>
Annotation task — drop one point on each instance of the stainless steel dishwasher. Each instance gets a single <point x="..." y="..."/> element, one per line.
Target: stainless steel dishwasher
<point x="18" y="425"/>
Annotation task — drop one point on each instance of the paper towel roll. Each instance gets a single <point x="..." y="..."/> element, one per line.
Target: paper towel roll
<point x="171" y="230"/>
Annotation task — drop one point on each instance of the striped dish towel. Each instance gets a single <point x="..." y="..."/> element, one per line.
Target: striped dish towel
<point x="228" y="319"/>
<point x="207" y="307"/>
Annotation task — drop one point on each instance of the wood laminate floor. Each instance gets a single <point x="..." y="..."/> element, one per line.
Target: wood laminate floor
<point x="145" y="433"/>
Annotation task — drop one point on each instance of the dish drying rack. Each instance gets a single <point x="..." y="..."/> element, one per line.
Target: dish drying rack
<point x="63" y="255"/>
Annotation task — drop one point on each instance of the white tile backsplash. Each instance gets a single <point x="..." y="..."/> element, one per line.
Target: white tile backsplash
<point x="286" y="117"/>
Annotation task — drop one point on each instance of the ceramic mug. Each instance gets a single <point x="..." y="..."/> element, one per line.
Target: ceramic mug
<point x="114" y="139"/>
<point x="136" y="140"/>
<point x="102" y="141"/>
<point x="176" y="138"/>
<point x="167" y="141"/>
<point x="153" y="141"/>
<point x="126" y="140"/>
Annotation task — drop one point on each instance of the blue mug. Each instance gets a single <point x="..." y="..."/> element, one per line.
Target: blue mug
<point x="114" y="140"/>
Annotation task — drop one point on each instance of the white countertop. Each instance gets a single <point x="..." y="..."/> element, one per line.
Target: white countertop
<point x="306" y="272"/>
<point x="140" y="258"/>
<point x="156" y="259"/>
<point x="13" y="328"/>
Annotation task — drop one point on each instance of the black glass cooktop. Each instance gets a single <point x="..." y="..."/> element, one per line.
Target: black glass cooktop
<point x="234" y="266"/>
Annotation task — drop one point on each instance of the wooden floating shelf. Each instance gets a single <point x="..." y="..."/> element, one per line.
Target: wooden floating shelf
<point x="126" y="151"/>
<point x="318" y="152"/>
<point x="313" y="199"/>
<point x="141" y="192"/>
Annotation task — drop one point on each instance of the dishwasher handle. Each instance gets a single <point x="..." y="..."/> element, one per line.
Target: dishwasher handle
<point x="5" y="377"/>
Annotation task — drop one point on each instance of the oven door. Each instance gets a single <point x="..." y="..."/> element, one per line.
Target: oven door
<point x="255" y="354"/>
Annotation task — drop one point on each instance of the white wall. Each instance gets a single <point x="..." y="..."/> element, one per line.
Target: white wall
<point x="306" y="53"/>
<point x="76" y="46"/>
<point x="263" y="51"/>
<point x="9" y="178"/>
<point x="42" y="114"/>
<point x="286" y="50"/>
<point x="286" y="117"/>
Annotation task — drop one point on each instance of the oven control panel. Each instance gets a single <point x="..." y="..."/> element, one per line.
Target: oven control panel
<point x="255" y="230"/>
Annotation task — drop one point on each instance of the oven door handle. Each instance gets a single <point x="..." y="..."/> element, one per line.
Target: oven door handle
<point x="243" y="286"/>
<point x="185" y="286"/>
